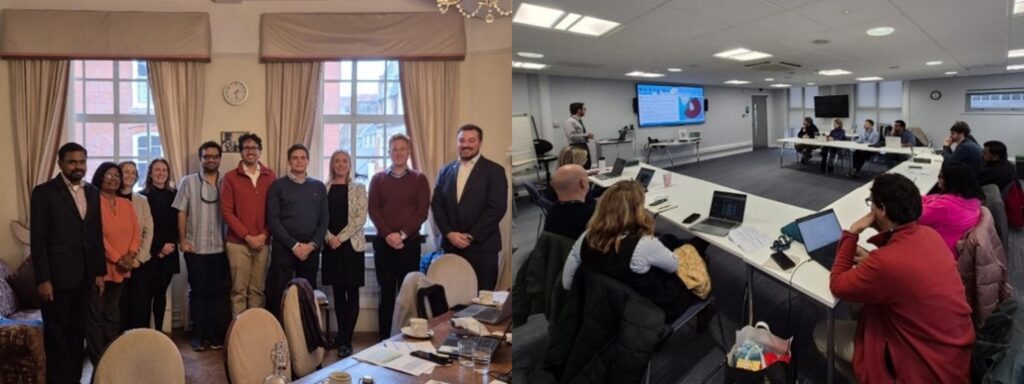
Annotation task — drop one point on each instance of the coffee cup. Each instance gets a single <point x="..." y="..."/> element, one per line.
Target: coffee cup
<point x="418" y="326"/>
<point x="486" y="297"/>
<point x="667" y="178"/>
<point x="339" y="378"/>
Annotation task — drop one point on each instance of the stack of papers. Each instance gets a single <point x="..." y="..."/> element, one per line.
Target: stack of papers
<point x="749" y="239"/>
<point x="395" y="355"/>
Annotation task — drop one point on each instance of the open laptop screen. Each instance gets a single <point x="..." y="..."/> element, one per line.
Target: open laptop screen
<point x="728" y="206"/>
<point x="819" y="230"/>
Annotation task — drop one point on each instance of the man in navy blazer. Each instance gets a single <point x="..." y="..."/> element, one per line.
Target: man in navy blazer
<point x="470" y="199"/>
<point x="68" y="260"/>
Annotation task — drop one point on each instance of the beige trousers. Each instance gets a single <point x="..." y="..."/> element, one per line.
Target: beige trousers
<point x="248" y="275"/>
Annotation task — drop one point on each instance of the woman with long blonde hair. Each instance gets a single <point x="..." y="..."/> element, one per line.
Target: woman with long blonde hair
<point x="620" y="243"/>
<point x="572" y="155"/>
<point x="344" y="246"/>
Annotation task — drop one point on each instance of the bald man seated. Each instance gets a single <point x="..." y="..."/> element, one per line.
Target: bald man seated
<point x="571" y="213"/>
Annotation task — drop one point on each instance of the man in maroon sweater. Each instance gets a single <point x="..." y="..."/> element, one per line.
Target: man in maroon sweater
<point x="915" y="326"/>
<point x="243" y="203"/>
<point x="398" y="204"/>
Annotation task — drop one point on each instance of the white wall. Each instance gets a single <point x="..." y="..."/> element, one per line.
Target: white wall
<point x="936" y="116"/>
<point x="609" y="107"/>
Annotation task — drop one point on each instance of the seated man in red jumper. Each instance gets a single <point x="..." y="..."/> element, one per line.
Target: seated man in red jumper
<point x="915" y="325"/>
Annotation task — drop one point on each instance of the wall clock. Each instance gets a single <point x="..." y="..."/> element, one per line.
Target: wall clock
<point x="235" y="92"/>
<point x="935" y="95"/>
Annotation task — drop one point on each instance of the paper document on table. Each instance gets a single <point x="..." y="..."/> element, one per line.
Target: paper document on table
<point x="749" y="239"/>
<point x="406" y="348"/>
<point x="389" y="355"/>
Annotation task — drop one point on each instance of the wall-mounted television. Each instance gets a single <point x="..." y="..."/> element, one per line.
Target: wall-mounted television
<point x="832" y="106"/>
<point x="661" y="105"/>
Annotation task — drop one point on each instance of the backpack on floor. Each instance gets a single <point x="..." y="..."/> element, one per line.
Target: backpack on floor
<point x="1014" y="201"/>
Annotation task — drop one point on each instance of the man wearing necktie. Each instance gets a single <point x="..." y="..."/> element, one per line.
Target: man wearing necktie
<point x="576" y="132"/>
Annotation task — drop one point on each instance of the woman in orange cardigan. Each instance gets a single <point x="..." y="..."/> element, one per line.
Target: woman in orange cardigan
<point x="121" y="237"/>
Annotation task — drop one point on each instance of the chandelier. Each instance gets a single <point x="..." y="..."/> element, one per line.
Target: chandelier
<point x="491" y="6"/>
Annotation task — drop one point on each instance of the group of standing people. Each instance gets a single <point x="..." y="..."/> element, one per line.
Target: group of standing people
<point x="105" y="255"/>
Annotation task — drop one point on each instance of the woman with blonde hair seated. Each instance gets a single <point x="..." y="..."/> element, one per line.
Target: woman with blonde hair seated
<point x="572" y="155"/>
<point x="620" y="243"/>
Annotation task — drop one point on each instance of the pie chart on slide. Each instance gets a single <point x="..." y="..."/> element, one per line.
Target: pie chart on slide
<point x="693" y="108"/>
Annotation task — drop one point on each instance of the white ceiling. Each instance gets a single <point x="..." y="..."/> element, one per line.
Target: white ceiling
<point x="969" y="36"/>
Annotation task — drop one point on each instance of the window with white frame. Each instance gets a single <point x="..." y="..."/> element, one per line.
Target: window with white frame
<point x="362" y="109"/>
<point x="113" y="113"/>
<point x="879" y="101"/>
<point x="995" y="100"/>
<point x="801" y="104"/>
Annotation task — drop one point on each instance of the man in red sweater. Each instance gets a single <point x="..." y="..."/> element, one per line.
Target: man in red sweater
<point x="243" y="204"/>
<point x="915" y="326"/>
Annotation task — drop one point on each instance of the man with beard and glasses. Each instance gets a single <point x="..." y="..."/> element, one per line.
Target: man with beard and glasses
<point x="201" y="233"/>
<point x="470" y="199"/>
<point x="68" y="259"/>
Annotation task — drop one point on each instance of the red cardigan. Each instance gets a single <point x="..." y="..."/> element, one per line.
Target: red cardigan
<point x="243" y="205"/>
<point x="914" y="306"/>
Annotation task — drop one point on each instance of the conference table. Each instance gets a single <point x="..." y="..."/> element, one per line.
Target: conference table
<point x="501" y="362"/>
<point x="687" y="195"/>
<point x="851" y="147"/>
<point x="666" y="145"/>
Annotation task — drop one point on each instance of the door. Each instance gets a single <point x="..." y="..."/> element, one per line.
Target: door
<point x="759" y="108"/>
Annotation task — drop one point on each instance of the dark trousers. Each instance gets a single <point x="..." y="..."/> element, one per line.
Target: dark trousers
<point x="391" y="265"/>
<point x="209" y="282"/>
<point x="859" y="158"/>
<point x="485" y="264"/>
<point x="141" y="293"/>
<point x="346" y="309"/>
<point x="64" y="333"/>
<point x="284" y="266"/>
<point x="104" y="321"/>
<point x="804" y="150"/>
<point x="827" y="156"/>
<point x="586" y="148"/>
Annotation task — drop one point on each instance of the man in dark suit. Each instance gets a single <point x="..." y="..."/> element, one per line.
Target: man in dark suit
<point x="67" y="255"/>
<point x="470" y="199"/>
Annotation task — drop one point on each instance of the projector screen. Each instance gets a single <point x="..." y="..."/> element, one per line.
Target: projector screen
<point x="660" y="105"/>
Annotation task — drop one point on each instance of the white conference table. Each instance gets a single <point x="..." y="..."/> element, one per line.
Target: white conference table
<point x="692" y="195"/>
<point x="852" y="146"/>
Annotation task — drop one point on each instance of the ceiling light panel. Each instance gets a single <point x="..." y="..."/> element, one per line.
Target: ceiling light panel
<point x="880" y="31"/>
<point x="834" y="72"/>
<point x="869" y="78"/>
<point x="592" y="26"/>
<point x="1013" y="53"/>
<point x="528" y="65"/>
<point x="567" y="21"/>
<point x="742" y="54"/>
<point x="536" y="15"/>
<point x="737" y="82"/>
<point x="779" y="85"/>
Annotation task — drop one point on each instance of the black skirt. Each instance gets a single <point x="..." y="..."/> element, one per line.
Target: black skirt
<point x="343" y="266"/>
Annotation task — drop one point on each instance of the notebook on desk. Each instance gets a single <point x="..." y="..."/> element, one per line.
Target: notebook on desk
<point x="820" y="233"/>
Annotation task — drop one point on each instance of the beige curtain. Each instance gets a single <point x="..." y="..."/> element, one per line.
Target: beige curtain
<point x="178" y="88"/>
<point x="430" y="95"/>
<point x="39" y="101"/>
<point x="294" y="104"/>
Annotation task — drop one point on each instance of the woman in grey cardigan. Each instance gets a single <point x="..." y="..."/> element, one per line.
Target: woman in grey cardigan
<point x="344" y="246"/>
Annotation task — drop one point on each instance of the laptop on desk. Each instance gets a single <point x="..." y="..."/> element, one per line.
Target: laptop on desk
<point x="450" y="346"/>
<point x="726" y="213"/>
<point x="821" y="233"/>
<point x="486" y="314"/>
<point x="616" y="171"/>
<point x="893" y="142"/>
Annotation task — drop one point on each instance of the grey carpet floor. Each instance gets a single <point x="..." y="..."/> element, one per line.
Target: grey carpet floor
<point x="689" y="356"/>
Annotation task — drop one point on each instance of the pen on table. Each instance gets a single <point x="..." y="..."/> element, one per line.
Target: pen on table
<point x="668" y="208"/>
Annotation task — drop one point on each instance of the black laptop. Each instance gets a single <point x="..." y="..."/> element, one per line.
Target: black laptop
<point x="620" y="164"/>
<point x="821" y="233"/>
<point x="725" y="214"/>
<point x="450" y="346"/>
<point x="644" y="177"/>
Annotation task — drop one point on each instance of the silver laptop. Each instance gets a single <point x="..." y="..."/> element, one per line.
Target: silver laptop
<point x="893" y="142"/>
<point x="486" y="314"/>
<point x="726" y="213"/>
<point x="620" y="164"/>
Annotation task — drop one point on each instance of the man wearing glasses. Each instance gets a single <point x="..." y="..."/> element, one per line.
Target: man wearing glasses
<point x="201" y="230"/>
<point x="244" y="206"/>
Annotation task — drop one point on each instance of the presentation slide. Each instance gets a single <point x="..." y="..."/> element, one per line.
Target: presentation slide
<point x="666" y="105"/>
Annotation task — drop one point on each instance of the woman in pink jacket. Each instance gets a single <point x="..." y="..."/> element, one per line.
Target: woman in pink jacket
<point x="956" y="208"/>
